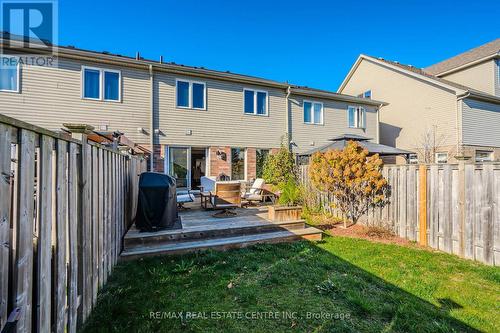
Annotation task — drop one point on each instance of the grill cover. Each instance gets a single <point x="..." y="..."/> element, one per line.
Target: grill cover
<point x="157" y="202"/>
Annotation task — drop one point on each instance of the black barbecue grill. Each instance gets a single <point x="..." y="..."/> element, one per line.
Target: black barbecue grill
<point x="157" y="203"/>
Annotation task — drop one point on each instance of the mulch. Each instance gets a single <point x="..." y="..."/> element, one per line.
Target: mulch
<point x="374" y="234"/>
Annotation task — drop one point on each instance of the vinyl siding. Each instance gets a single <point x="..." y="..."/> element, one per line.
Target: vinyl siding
<point x="223" y="123"/>
<point x="415" y="106"/>
<point x="480" y="77"/>
<point x="309" y="136"/>
<point x="50" y="97"/>
<point x="497" y="78"/>
<point x="481" y="123"/>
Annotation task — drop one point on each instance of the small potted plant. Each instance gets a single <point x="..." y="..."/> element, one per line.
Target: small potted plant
<point x="288" y="208"/>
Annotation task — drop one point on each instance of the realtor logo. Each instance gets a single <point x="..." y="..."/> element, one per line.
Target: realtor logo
<point x="30" y="24"/>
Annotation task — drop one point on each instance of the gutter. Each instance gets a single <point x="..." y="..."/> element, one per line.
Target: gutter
<point x="151" y="119"/>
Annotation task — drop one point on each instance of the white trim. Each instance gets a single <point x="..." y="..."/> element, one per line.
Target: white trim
<point x="18" y="68"/>
<point x="255" y="91"/>
<point x="312" y="122"/>
<point x="356" y="117"/>
<point x="102" y="72"/>
<point x="190" y="94"/>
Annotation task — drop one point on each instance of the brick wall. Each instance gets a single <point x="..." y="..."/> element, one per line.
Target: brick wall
<point x="218" y="165"/>
<point x="251" y="163"/>
<point x="158" y="159"/>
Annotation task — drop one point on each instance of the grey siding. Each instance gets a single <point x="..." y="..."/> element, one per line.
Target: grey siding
<point x="309" y="136"/>
<point x="223" y="122"/>
<point x="50" y="97"/>
<point x="481" y="123"/>
<point x="497" y="78"/>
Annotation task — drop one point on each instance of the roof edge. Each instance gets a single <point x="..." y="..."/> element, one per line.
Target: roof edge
<point x="467" y="65"/>
<point x="335" y="96"/>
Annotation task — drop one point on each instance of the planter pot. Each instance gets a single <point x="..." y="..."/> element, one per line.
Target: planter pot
<point x="284" y="213"/>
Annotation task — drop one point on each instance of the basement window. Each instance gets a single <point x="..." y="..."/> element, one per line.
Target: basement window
<point x="441" y="158"/>
<point x="484" y="156"/>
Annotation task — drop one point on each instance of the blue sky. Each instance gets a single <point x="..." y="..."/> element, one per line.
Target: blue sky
<point x="311" y="43"/>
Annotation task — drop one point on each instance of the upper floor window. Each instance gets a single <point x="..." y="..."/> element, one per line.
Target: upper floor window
<point x="313" y="112"/>
<point x="356" y="117"/>
<point x="366" y="94"/>
<point x="413" y="159"/>
<point x="191" y="94"/>
<point x="9" y="74"/>
<point x="101" y="84"/>
<point x="255" y="102"/>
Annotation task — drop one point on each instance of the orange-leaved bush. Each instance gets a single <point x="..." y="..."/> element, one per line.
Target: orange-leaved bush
<point x="352" y="177"/>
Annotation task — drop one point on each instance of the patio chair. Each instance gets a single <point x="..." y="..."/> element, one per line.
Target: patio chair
<point x="207" y="185"/>
<point x="254" y="194"/>
<point x="226" y="196"/>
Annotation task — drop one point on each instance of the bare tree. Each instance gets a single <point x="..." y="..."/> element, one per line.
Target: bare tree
<point x="429" y="143"/>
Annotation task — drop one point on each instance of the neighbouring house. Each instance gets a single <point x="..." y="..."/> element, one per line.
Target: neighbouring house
<point x="198" y="121"/>
<point x="447" y="110"/>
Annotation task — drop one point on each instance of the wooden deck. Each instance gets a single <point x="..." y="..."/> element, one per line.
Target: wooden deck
<point x="201" y="230"/>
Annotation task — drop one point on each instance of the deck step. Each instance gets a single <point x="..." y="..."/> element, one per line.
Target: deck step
<point x="139" y="239"/>
<point x="223" y="243"/>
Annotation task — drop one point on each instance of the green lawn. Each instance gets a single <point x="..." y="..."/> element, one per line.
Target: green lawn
<point x="341" y="284"/>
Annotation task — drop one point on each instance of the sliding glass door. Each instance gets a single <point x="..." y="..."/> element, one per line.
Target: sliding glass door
<point x="179" y="166"/>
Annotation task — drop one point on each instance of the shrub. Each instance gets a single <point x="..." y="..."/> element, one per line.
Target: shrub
<point x="279" y="167"/>
<point x="354" y="179"/>
<point x="291" y="193"/>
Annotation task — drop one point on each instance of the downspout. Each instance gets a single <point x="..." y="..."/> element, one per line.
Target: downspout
<point x="151" y="119"/>
<point x="378" y="123"/>
<point x="459" y="127"/>
<point x="287" y="118"/>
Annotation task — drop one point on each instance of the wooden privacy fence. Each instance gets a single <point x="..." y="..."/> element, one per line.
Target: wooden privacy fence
<point x="450" y="207"/>
<point x="64" y="206"/>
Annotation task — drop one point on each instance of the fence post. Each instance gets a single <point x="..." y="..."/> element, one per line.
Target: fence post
<point x="80" y="132"/>
<point x="461" y="203"/>
<point x="422" y="177"/>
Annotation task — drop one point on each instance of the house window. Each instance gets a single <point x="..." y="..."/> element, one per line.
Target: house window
<point x="9" y="74"/>
<point x="101" y="84"/>
<point x="261" y="155"/>
<point x="484" y="156"/>
<point x="356" y="117"/>
<point x="366" y="94"/>
<point x="237" y="163"/>
<point x="413" y="159"/>
<point x="441" y="158"/>
<point x="313" y="112"/>
<point x="191" y="95"/>
<point x="255" y="102"/>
